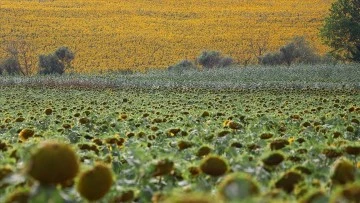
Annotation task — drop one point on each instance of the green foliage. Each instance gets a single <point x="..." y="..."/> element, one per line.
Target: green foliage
<point x="183" y="65"/>
<point x="226" y="61"/>
<point x="297" y="76"/>
<point x="65" y="55"/>
<point x="11" y="66"/>
<point x="341" y="30"/>
<point x="297" y="51"/>
<point x="214" y="59"/>
<point x="148" y="161"/>
<point x="57" y="62"/>
<point x="272" y="59"/>
<point x="50" y="64"/>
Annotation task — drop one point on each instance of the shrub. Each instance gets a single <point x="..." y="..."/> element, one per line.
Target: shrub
<point x="11" y="66"/>
<point x="19" y="52"/>
<point x="289" y="53"/>
<point x="183" y="65"/>
<point x="57" y="62"/>
<point x="226" y="61"/>
<point x="302" y="52"/>
<point x="65" y="55"/>
<point x="209" y="59"/>
<point x="50" y="64"/>
<point x="271" y="59"/>
<point x="213" y="59"/>
<point x="328" y="59"/>
<point x="297" y="51"/>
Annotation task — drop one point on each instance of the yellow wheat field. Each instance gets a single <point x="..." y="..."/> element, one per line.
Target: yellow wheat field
<point x="119" y="34"/>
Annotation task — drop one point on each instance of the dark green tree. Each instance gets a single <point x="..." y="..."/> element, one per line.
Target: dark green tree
<point x="214" y="59"/>
<point x="57" y="62"/>
<point x="19" y="52"/>
<point x="182" y="66"/>
<point x="296" y="51"/>
<point x="11" y="66"/>
<point x="65" y="55"/>
<point x="209" y="59"/>
<point x="50" y="64"/>
<point x="341" y="30"/>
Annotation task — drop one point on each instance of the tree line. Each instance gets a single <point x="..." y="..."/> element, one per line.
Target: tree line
<point x="298" y="50"/>
<point x="19" y="61"/>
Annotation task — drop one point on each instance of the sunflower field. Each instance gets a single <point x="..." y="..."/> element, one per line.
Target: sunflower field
<point x="168" y="143"/>
<point x="140" y="34"/>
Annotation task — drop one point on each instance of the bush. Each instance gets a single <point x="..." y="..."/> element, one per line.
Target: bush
<point x="301" y="52"/>
<point x="57" y="62"/>
<point x="289" y="53"/>
<point x="328" y="59"/>
<point x="272" y="59"/>
<point x="65" y="55"/>
<point x="213" y="59"/>
<point x="226" y="61"/>
<point x="297" y="51"/>
<point x="183" y="65"/>
<point x="11" y="66"/>
<point x="50" y="64"/>
<point x="19" y="52"/>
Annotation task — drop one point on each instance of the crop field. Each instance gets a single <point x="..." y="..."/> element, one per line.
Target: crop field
<point x="179" y="143"/>
<point x="108" y="35"/>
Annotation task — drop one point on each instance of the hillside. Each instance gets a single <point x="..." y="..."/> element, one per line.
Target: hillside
<point x="143" y="34"/>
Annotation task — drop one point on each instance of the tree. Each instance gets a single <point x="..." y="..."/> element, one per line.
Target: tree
<point x="66" y="56"/>
<point x="209" y="59"/>
<point x="50" y="64"/>
<point x="57" y="62"/>
<point x="214" y="59"/>
<point x="299" y="51"/>
<point x="11" y="66"/>
<point x="272" y="59"/>
<point x="296" y="51"/>
<point x="182" y="66"/>
<point x="20" y="50"/>
<point x="258" y="46"/>
<point x="341" y="30"/>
